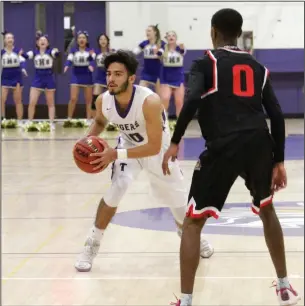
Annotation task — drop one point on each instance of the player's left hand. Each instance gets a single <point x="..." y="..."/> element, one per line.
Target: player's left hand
<point x="171" y="153"/>
<point x="279" y="177"/>
<point x="103" y="159"/>
<point x="91" y="68"/>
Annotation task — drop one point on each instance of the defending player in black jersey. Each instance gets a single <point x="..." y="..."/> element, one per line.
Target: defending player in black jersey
<point x="230" y="90"/>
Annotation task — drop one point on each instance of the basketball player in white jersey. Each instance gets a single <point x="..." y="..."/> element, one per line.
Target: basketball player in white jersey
<point x="144" y="137"/>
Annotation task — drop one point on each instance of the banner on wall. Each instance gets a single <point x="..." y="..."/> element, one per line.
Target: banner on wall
<point x="245" y="41"/>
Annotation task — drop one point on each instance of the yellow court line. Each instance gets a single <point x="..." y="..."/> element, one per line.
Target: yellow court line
<point x="29" y="186"/>
<point x="14" y="200"/>
<point x="38" y="249"/>
<point x="49" y="238"/>
<point x="93" y="198"/>
<point x="89" y="201"/>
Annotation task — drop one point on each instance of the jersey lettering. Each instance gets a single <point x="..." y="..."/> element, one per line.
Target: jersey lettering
<point x="128" y="126"/>
<point x="136" y="137"/>
<point x="123" y="166"/>
<point x="243" y="81"/>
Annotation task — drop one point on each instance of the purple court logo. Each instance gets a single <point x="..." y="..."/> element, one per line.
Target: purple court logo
<point x="235" y="219"/>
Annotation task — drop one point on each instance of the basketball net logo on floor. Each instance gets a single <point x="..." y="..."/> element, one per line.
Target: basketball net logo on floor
<point x="235" y="219"/>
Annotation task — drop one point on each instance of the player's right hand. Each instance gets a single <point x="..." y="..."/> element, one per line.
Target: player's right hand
<point x="279" y="177"/>
<point x="171" y="153"/>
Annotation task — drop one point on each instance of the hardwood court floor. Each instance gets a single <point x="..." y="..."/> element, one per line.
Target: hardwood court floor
<point x="48" y="206"/>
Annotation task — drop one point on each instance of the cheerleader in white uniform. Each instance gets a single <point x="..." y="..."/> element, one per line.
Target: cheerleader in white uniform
<point x="44" y="80"/>
<point x="13" y="66"/>
<point x="81" y="59"/>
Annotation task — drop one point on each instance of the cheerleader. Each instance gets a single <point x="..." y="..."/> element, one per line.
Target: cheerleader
<point x="172" y="72"/>
<point x="13" y="66"/>
<point x="100" y="82"/>
<point x="152" y="65"/>
<point x="43" y="58"/>
<point x="81" y="59"/>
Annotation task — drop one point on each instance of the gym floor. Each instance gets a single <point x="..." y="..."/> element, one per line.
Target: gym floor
<point x="48" y="205"/>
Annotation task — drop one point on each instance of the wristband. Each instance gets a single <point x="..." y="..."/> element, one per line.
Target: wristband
<point x="122" y="154"/>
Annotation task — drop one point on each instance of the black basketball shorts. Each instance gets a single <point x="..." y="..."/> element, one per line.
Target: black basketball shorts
<point x="249" y="156"/>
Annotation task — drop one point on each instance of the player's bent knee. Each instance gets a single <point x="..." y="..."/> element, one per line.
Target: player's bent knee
<point x="179" y="214"/>
<point x="117" y="191"/>
<point x="112" y="200"/>
<point x="106" y="205"/>
<point x="267" y="212"/>
<point x="194" y="222"/>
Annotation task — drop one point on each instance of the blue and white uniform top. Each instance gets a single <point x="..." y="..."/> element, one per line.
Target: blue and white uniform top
<point x="12" y="65"/>
<point x="43" y="63"/>
<point x="172" y="71"/>
<point x="152" y="65"/>
<point x="100" y="77"/>
<point x="80" y="60"/>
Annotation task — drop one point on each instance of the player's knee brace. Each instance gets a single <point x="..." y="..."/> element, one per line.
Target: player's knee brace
<point x="179" y="213"/>
<point x="116" y="192"/>
<point x="93" y="107"/>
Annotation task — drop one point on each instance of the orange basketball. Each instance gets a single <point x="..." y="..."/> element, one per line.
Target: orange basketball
<point x="82" y="150"/>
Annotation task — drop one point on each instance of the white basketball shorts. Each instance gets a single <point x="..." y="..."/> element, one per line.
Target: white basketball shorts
<point x="169" y="190"/>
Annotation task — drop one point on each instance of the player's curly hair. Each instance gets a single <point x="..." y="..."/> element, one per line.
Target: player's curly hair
<point x="125" y="57"/>
<point x="228" y="22"/>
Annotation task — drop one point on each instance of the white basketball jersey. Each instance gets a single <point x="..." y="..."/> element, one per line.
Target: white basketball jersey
<point x="132" y="123"/>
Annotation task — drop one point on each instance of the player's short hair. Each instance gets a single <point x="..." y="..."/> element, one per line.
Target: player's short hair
<point x="127" y="58"/>
<point x="228" y="22"/>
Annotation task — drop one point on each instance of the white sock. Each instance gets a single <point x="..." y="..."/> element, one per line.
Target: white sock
<point x="283" y="283"/>
<point x="96" y="233"/>
<point x="186" y="299"/>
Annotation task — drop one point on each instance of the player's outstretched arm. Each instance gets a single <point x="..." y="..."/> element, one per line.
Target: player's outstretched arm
<point x="100" y="121"/>
<point x="152" y="110"/>
<point x="277" y="121"/>
<point x="274" y="111"/>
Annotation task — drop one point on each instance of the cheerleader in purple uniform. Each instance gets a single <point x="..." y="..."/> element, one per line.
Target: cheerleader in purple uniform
<point x="43" y="58"/>
<point x="152" y="65"/>
<point x="13" y="65"/>
<point x="100" y="83"/>
<point x="81" y="59"/>
<point x="172" y="72"/>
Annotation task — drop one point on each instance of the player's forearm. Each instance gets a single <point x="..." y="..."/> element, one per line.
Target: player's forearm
<point x="145" y="150"/>
<point x="277" y="121"/>
<point x="96" y="128"/>
<point x="279" y="136"/>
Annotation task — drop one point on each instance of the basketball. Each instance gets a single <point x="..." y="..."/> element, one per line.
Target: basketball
<point x="82" y="150"/>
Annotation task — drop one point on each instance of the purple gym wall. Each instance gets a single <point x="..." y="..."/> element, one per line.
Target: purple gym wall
<point x="286" y="66"/>
<point x="90" y="16"/>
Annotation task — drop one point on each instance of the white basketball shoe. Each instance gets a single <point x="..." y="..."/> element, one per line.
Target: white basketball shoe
<point x="286" y="296"/>
<point x="206" y="249"/>
<point x="85" y="260"/>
